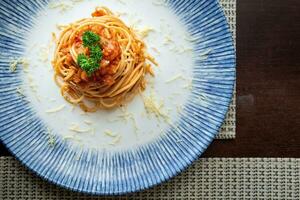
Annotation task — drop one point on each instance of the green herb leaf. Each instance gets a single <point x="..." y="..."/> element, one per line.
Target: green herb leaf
<point x="92" y="63"/>
<point x="89" y="65"/>
<point x="96" y="53"/>
<point x="90" y="39"/>
<point x="83" y="61"/>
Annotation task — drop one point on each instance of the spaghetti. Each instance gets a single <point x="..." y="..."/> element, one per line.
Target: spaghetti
<point x="100" y="78"/>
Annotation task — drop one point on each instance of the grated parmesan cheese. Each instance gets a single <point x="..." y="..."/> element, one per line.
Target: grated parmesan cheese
<point x="112" y="120"/>
<point x="62" y="6"/>
<point x="179" y="108"/>
<point x="153" y="107"/>
<point x="72" y="137"/>
<point x="126" y="116"/>
<point x="68" y="137"/>
<point x="93" y="131"/>
<point x="116" y="140"/>
<point x="134" y="124"/>
<point x="13" y="66"/>
<point x="43" y="53"/>
<point x="121" y="14"/>
<point x="78" y="155"/>
<point x="25" y="63"/>
<point x="54" y="110"/>
<point x="19" y="90"/>
<point x="189" y="38"/>
<point x="185" y="49"/>
<point x="189" y="85"/>
<point x="110" y="133"/>
<point x="88" y="122"/>
<point x="134" y="22"/>
<point x="174" y="78"/>
<point x="51" y="138"/>
<point x="145" y="32"/>
<point x="31" y="84"/>
<point x="167" y="40"/>
<point x="160" y="3"/>
<point x="204" y="55"/>
<point x="76" y="128"/>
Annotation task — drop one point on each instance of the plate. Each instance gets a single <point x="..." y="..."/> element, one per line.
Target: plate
<point x="126" y="149"/>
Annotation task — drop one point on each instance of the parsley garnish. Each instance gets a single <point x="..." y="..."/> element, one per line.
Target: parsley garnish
<point x="96" y="52"/>
<point x="90" y="38"/>
<point x="90" y="64"/>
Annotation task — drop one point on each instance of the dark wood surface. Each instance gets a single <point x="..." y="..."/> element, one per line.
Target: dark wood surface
<point x="268" y="82"/>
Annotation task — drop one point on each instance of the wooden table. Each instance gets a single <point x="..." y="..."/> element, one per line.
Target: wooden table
<point x="268" y="82"/>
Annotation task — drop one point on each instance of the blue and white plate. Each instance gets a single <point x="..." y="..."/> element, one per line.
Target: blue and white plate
<point x="126" y="149"/>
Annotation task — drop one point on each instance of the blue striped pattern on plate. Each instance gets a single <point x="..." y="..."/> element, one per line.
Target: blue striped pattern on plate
<point x="112" y="173"/>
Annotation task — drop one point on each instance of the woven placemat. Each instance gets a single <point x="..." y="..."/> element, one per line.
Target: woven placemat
<point x="212" y="178"/>
<point x="227" y="130"/>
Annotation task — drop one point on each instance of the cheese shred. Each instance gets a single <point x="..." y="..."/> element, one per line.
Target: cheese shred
<point x="153" y="107"/>
<point x="110" y="133"/>
<point x="145" y="32"/>
<point x="116" y="140"/>
<point x="51" y="138"/>
<point x="57" y="109"/>
<point x="176" y="77"/>
<point x="13" y="65"/>
<point x="76" y="128"/>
